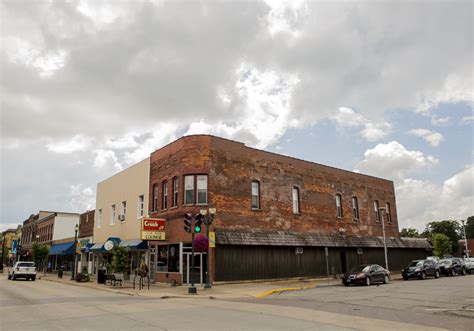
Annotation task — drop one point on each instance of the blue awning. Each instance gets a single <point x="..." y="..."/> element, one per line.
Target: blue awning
<point x="62" y="249"/>
<point x="87" y="249"/>
<point x="99" y="247"/>
<point x="135" y="244"/>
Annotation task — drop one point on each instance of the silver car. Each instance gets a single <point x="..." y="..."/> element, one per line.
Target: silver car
<point x="22" y="269"/>
<point x="469" y="264"/>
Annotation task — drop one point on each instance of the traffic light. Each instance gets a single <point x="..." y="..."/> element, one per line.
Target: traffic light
<point x="188" y="221"/>
<point x="197" y="225"/>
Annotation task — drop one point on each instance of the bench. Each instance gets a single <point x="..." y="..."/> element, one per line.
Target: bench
<point x="113" y="279"/>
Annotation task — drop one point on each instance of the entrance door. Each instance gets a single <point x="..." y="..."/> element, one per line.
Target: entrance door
<point x="198" y="275"/>
<point x="343" y="262"/>
<point x="151" y="263"/>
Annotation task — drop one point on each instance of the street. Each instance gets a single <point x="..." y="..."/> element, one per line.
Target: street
<point x="431" y="304"/>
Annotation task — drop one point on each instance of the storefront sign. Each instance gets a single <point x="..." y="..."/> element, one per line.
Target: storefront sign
<point x="109" y="244"/>
<point x="212" y="239"/>
<point x="153" y="229"/>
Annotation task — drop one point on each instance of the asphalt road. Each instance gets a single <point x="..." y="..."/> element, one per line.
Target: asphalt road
<point x="447" y="302"/>
<point x="46" y="305"/>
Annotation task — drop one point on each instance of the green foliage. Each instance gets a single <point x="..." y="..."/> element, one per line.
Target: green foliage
<point x="469" y="224"/>
<point x="441" y="244"/>
<point x="120" y="260"/>
<point x="6" y="253"/>
<point x="451" y="229"/>
<point x="82" y="277"/>
<point x="40" y="254"/>
<point x="410" y="232"/>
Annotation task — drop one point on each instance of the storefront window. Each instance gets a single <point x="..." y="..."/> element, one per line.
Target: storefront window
<point x="168" y="258"/>
<point x="173" y="263"/>
<point x="162" y="260"/>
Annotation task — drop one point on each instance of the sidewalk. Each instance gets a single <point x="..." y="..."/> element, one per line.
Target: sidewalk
<point x="220" y="291"/>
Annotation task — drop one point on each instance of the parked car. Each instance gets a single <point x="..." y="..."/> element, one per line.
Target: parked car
<point x="451" y="267"/>
<point x="421" y="269"/>
<point x="433" y="258"/>
<point x="366" y="274"/>
<point x="22" y="269"/>
<point x="469" y="264"/>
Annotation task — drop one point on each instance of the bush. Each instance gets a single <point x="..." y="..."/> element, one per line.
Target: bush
<point x="82" y="277"/>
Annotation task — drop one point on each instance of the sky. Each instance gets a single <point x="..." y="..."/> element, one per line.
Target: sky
<point x="384" y="88"/>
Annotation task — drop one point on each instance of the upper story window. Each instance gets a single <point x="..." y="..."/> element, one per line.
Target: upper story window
<point x="112" y="214"/>
<point x="201" y="189"/>
<point x="339" y="205"/>
<point x="99" y="218"/>
<point x="296" y="200"/>
<point x="389" y="214"/>
<point x="255" y="194"/>
<point x="164" y="195"/>
<point x="175" y="191"/>
<point x="141" y="205"/>
<point x="192" y="195"/>
<point x="123" y="211"/>
<point x="188" y="190"/>
<point x="376" y="210"/>
<point x="155" y="197"/>
<point x="355" y="207"/>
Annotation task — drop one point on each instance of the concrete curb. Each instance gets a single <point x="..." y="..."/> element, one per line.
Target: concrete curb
<point x="280" y="290"/>
<point x="93" y="287"/>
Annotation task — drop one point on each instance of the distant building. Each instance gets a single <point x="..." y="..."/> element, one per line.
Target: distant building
<point x="85" y="238"/>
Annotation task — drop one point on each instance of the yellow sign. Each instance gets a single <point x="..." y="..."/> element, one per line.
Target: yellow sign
<point x="78" y="248"/>
<point x="153" y="235"/>
<point x="212" y="239"/>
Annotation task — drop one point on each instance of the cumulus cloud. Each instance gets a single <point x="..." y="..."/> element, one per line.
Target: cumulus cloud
<point x="420" y="202"/>
<point x="75" y="144"/>
<point x="394" y="161"/>
<point x="81" y="198"/>
<point x="370" y="131"/>
<point x="107" y="159"/>
<point x="467" y="119"/>
<point x="433" y="138"/>
<point x="440" y="121"/>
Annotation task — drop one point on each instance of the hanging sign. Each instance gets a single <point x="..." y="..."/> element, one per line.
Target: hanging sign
<point x="212" y="239"/>
<point x="153" y="229"/>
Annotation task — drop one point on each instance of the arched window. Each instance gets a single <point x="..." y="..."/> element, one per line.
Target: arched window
<point x="389" y="214"/>
<point x="376" y="211"/>
<point x="255" y="194"/>
<point x="355" y="207"/>
<point x="155" y="197"/>
<point x="339" y="206"/>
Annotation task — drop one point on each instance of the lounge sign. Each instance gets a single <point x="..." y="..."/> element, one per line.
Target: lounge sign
<point x="153" y="229"/>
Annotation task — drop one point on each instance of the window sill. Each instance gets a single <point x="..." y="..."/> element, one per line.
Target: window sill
<point x="201" y="204"/>
<point x="340" y="218"/>
<point x="174" y="207"/>
<point x="165" y="209"/>
<point x="357" y="220"/>
<point x="256" y="209"/>
<point x="296" y="214"/>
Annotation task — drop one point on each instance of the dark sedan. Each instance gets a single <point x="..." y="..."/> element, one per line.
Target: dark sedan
<point x="451" y="267"/>
<point x="366" y="274"/>
<point x="420" y="269"/>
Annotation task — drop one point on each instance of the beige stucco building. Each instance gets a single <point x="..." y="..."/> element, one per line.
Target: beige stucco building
<point x="121" y="202"/>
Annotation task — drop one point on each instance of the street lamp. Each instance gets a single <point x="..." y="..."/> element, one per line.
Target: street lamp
<point x="465" y="238"/>
<point x="381" y="212"/>
<point x="73" y="273"/>
<point x="208" y="221"/>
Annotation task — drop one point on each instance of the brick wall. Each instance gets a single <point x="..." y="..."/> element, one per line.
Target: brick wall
<point x="86" y="224"/>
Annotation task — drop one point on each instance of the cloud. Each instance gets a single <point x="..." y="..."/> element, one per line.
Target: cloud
<point x="81" y="198"/>
<point x="433" y="138"/>
<point x="394" y="161"/>
<point x="440" y="121"/>
<point x="467" y="119"/>
<point x="6" y="226"/>
<point x="106" y="159"/>
<point x="348" y="118"/>
<point x="75" y="144"/>
<point x="420" y="202"/>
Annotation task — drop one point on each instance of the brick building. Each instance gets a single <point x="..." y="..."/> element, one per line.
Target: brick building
<point x="85" y="238"/>
<point x="276" y="215"/>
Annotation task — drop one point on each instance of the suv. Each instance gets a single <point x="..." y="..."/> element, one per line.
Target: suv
<point x="451" y="267"/>
<point x="22" y="269"/>
<point x="421" y="269"/>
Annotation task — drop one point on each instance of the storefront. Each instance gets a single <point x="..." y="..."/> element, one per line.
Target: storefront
<point x="61" y="256"/>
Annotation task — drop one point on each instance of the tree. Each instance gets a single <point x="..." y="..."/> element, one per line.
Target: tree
<point x="469" y="224"/>
<point x="410" y="232"/>
<point x="40" y="255"/>
<point x="451" y="229"/>
<point x="6" y="253"/>
<point x="120" y="260"/>
<point x="441" y="244"/>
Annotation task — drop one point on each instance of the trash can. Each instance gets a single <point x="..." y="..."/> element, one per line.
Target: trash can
<point x="101" y="276"/>
<point x="60" y="273"/>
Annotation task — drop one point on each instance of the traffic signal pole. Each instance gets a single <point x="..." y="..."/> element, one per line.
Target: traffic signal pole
<point x="192" y="289"/>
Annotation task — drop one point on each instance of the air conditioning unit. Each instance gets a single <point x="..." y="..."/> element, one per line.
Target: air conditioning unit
<point x="121" y="218"/>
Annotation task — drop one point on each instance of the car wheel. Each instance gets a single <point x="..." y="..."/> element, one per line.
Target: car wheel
<point x="13" y="277"/>
<point x="345" y="283"/>
<point x="453" y="272"/>
<point x="423" y="275"/>
<point x="367" y="281"/>
<point x="9" y="276"/>
<point x="386" y="279"/>
<point x="463" y="271"/>
<point x="405" y="278"/>
<point x="33" y="278"/>
<point x="437" y="274"/>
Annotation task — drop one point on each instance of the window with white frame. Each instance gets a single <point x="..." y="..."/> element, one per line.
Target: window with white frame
<point x="255" y="194"/>
<point x="175" y="191"/>
<point x="355" y="207"/>
<point x="339" y="211"/>
<point x="99" y="218"/>
<point x="123" y="211"/>
<point x="389" y="214"/>
<point x="112" y="214"/>
<point x="376" y="211"/>
<point x="201" y="181"/>
<point x="188" y="190"/>
<point x="296" y="200"/>
<point x="141" y="205"/>
<point x="164" y="195"/>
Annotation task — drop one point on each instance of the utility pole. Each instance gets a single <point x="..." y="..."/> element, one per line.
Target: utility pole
<point x="465" y="238"/>
<point x="381" y="212"/>
<point x="208" y="219"/>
